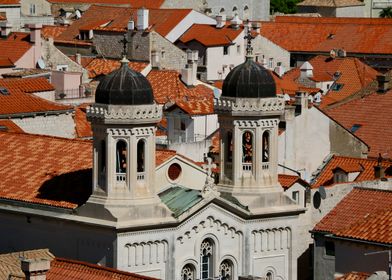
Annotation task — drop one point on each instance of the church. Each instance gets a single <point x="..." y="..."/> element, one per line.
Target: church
<point x="155" y="212"/>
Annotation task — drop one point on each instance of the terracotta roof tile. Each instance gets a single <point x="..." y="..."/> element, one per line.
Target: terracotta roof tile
<point x="354" y="276"/>
<point x="50" y="170"/>
<point x="17" y="102"/>
<point x="325" y="177"/>
<point x="102" y="66"/>
<point x="286" y="181"/>
<point x="10" y="264"/>
<point x="9" y="126"/>
<point x="9" y="2"/>
<point x="209" y="35"/>
<point x="373" y="116"/>
<point x="14" y="46"/>
<point x="354" y="76"/>
<point x="52" y="31"/>
<point x="362" y="214"/>
<point x="168" y="87"/>
<point x="28" y="85"/>
<point x="26" y="73"/>
<point x="161" y="20"/>
<point x="82" y="126"/>
<point x="331" y="3"/>
<point x="63" y="269"/>
<point x="318" y="35"/>
<point x="6" y="62"/>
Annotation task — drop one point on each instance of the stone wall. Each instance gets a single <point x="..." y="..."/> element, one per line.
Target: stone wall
<point x="108" y="44"/>
<point x="139" y="47"/>
<point x="266" y="49"/>
<point x="42" y="7"/>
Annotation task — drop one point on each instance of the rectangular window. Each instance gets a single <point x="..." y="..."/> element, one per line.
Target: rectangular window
<point x="271" y="63"/>
<point x="225" y="50"/>
<point x="62" y="67"/>
<point x="329" y="248"/>
<point x="32" y="9"/>
<point x="238" y="49"/>
<point x="295" y="196"/>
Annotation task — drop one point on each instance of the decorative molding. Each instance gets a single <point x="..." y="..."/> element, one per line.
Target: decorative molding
<point x="138" y="131"/>
<point x="131" y="113"/>
<point x="271" y="239"/>
<point x="147" y="253"/>
<point x="274" y="105"/>
<point x="256" y="123"/>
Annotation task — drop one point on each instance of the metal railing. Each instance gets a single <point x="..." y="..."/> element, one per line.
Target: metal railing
<point x="71" y="94"/>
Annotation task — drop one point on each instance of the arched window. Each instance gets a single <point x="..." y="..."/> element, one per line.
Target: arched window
<point x="247" y="147"/>
<point x="188" y="272"/>
<point x="266" y="146"/>
<point x="206" y="258"/>
<point x="103" y="156"/>
<point x="141" y="150"/>
<point x="269" y="276"/>
<point x="235" y="10"/>
<point x="121" y="156"/>
<point x="246" y="12"/>
<point x="226" y="270"/>
<point x="229" y="146"/>
<point x="222" y="11"/>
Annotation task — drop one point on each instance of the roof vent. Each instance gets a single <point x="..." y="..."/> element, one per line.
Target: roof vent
<point x="3" y="128"/>
<point x="4" y="91"/>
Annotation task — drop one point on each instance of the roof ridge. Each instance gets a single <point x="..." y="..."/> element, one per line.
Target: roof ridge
<point x="33" y="135"/>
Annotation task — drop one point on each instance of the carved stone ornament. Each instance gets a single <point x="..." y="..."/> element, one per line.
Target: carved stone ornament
<point x="209" y="188"/>
<point x="226" y="104"/>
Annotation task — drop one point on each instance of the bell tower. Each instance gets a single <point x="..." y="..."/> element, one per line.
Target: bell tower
<point x="249" y="113"/>
<point x="123" y="120"/>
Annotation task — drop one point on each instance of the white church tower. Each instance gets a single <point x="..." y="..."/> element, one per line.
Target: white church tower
<point x="123" y="120"/>
<point x="249" y="113"/>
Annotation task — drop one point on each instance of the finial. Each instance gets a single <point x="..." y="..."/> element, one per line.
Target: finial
<point x="125" y="42"/>
<point x="248" y="37"/>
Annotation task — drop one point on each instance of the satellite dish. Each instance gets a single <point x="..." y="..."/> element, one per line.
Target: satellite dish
<point x="41" y="63"/>
<point x="322" y="192"/>
<point x="316" y="200"/>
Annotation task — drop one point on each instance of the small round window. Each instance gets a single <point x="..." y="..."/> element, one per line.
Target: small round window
<point x="174" y="171"/>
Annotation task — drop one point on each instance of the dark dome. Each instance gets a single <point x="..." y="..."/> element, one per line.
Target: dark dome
<point x="124" y="87"/>
<point x="249" y="80"/>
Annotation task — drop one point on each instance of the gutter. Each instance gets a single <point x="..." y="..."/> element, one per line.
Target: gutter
<point x="34" y="114"/>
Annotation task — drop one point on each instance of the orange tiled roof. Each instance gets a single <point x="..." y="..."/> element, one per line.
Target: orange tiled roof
<point x="82" y="125"/>
<point x="163" y="155"/>
<point x="10" y="126"/>
<point x="325" y="177"/>
<point x="354" y="276"/>
<point x="355" y="76"/>
<point x="168" y="87"/>
<point x="28" y="85"/>
<point x="64" y="269"/>
<point x="287" y="181"/>
<point x="209" y="35"/>
<point x="18" y="102"/>
<point x="318" y="35"/>
<point x="49" y="170"/>
<point x="362" y="214"/>
<point x="52" y="31"/>
<point x="150" y="4"/>
<point x="9" y="2"/>
<point x="374" y="115"/>
<point x="161" y="20"/>
<point x="14" y="46"/>
<point x="102" y="66"/>
<point x="6" y="62"/>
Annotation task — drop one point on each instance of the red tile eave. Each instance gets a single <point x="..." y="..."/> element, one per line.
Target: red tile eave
<point x="72" y="42"/>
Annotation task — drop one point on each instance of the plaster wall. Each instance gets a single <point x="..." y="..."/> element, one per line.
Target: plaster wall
<point x="61" y="125"/>
<point x="191" y="176"/>
<point x="13" y="15"/>
<point x="48" y="95"/>
<point x="355" y="11"/>
<point x="192" y="150"/>
<point x="264" y="48"/>
<point x="42" y="7"/>
<point x="28" y="60"/>
<point x="25" y="231"/>
<point x="65" y="80"/>
<point x="218" y="64"/>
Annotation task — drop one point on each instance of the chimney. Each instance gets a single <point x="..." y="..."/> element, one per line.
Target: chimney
<point x="306" y="70"/>
<point x="35" y="38"/>
<point x="379" y="170"/>
<point x="131" y="25"/>
<point x="189" y="73"/>
<point x="35" y="269"/>
<point x="155" y="63"/>
<point x="383" y="83"/>
<point x="220" y="21"/>
<point x="142" y="19"/>
<point x="256" y="27"/>
<point x="301" y="102"/>
<point x="235" y="22"/>
<point x="279" y="70"/>
<point x="5" y="28"/>
<point x="78" y="58"/>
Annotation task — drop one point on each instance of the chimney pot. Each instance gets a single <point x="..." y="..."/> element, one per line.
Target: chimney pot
<point x="78" y="58"/>
<point x="142" y="19"/>
<point x="220" y="21"/>
<point x="383" y="83"/>
<point x="35" y="269"/>
<point x="5" y="28"/>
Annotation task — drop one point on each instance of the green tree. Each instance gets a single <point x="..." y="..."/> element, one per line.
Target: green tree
<point x="284" y="6"/>
<point x="386" y="13"/>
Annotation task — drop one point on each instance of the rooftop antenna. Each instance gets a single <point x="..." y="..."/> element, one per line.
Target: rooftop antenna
<point x="125" y="42"/>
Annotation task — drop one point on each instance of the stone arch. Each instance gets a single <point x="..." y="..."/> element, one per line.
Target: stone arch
<point x="121" y="156"/>
<point x="234" y="263"/>
<point x="266" y="146"/>
<point x="141" y="155"/>
<point x="193" y="265"/>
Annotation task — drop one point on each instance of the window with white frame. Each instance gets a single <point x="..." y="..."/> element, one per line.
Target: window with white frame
<point x="206" y="259"/>
<point x="271" y="63"/>
<point x="32" y="9"/>
<point x="295" y="196"/>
